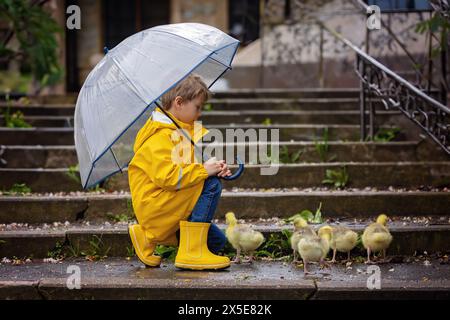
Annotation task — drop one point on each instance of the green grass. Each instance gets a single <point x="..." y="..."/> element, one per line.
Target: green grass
<point x="57" y="252"/>
<point x="276" y="246"/>
<point x="285" y="156"/>
<point x="323" y="148"/>
<point x="337" y="178"/>
<point x="123" y="217"/>
<point x="308" y="215"/>
<point x="15" y="119"/>
<point x="208" y="107"/>
<point x="386" y="134"/>
<point x="267" y="122"/>
<point x="97" y="249"/>
<point x="74" y="173"/>
<point x="17" y="189"/>
<point x="14" y="82"/>
<point x="130" y="251"/>
<point x="166" y="252"/>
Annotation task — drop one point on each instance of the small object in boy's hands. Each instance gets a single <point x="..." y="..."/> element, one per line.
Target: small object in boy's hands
<point x="224" y="169"/>
<point x="212" y="166"/>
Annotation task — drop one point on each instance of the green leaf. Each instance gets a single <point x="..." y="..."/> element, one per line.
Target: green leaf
<point x="267" y="121"/>
<point x="307" y="215"/>
<point x="318" y="215"/>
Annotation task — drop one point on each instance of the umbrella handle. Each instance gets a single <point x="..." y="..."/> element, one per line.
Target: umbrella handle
<point x="238" y="173"/>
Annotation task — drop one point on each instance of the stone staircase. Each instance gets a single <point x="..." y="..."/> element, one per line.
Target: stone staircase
<point x="407" y="178"/>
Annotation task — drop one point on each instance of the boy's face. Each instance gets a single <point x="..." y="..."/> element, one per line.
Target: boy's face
<point x="188" y="111"/>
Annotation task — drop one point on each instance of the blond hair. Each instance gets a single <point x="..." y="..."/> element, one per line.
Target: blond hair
<point x="189" y="89"/>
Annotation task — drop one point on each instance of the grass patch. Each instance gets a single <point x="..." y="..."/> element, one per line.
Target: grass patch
<point x="337" y="178"/>
<point x="123" y="217"/>
<point x="322" y="148"/>
<point x="386" y="134"/>
<point x="15" y="119"/>
<point x="309" y="216"/>
<point x="276" y="246"/>
<point x="17" y="189"/>
<point x="166" y="252"/>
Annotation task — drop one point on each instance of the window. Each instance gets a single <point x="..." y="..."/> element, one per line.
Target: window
<point x="401" y="5"/>
<point x="244" y="20"/>
<point x="124" y="18"/>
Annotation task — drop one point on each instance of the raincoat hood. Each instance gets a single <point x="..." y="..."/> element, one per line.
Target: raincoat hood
<point x="159" y="120"/>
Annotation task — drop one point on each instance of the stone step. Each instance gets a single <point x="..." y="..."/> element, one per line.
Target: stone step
<point x="114" y="241"/>
<point x="251" y="117"/>
<point x="288" y="93"/>
<point x="287" y="132"/>
<point x="125" y="279"/>
<point x="38" y="156"/>
<point x="299" y="104"/>
<point x="71" y="98"/>
<point x="293" y="93"/>
<point x="45" y="121"/>
<point x="360" y="175"/>
<point x="36" y="136"/>
<point x="352" y="203"/>
<point x="219" y="105"/>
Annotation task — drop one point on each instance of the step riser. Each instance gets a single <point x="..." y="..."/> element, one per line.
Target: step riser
<point x="221" y="105"/>
<point x="301" y="176"/>
<point x="251" y="93"/>
<point x="350" y="105"/>
<point x="119" y="244"/>
<point x="17" y="157"/>
<point x="36" y="137"/>
<point x="57" y="290"/>
<point x="46" y="136"/>
<point x="209" y="118"/>
<point x="245" y="205"/>
<point x="232" y="93"/>
<point x="336" y="205"/>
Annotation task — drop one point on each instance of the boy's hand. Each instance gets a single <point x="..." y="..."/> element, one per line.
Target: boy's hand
<point x="212" y="166"/>
<point x="224" y="172"/>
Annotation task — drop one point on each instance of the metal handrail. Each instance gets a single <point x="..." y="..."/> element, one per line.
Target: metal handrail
<point x="414" y="63"/>
<point x="383" y="24"/>
<point x="442" y="138"/>
<point x="385" y="69"/>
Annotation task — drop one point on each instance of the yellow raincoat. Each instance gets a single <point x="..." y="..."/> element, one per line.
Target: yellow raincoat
<point x="164" y="192"/>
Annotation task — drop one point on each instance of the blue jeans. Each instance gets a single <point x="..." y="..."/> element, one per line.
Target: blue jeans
<point x="204" y="212"/>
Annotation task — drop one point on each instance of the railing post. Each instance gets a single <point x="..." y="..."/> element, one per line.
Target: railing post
<point x="362" y="98"/>
<point x="444" y="84"/>
<point x="321" y="76"/>
<point x="371" y="109"/>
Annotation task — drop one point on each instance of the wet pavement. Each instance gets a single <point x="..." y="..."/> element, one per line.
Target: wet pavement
<point x="120" y="278"/>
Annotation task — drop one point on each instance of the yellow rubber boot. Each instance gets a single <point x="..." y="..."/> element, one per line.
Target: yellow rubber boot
<point x="193" y="252"/>
<point x="143" y="248"/>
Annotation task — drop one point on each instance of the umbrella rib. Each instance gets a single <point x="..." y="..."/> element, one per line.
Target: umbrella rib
<point x="190" y="40"/>
<point x="135" y="89"/>
<point x="115" y="159"/>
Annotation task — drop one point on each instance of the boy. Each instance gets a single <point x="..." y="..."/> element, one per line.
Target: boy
<point x="168" y="195"/>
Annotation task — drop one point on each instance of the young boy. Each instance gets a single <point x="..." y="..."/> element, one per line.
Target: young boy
<point x="169" y="195"/>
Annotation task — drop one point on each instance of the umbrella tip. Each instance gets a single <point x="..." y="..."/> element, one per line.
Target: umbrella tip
<point x="105" y="50"/>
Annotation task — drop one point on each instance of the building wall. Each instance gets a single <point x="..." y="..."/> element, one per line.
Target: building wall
<point x="90" y="41"/>
<point x="290" y="52"/>
<point x="212" y="12"/>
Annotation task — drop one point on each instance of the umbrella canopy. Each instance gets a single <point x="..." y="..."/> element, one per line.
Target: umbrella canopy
<point x="121" y="92"/>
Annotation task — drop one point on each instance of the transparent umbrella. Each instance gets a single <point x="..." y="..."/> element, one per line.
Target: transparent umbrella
<point x="124" y="88"/>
